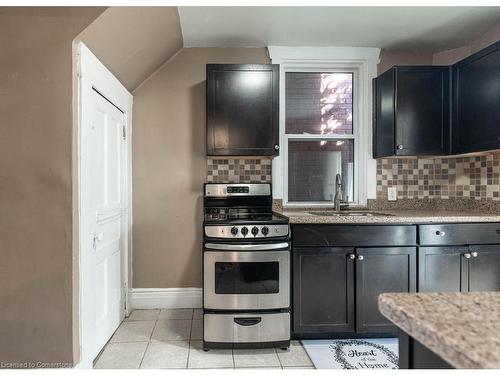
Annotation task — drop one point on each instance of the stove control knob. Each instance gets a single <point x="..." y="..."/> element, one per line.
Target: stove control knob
<point x="265" y="231"/>
<point x="234" y="231"/>
<point x="255" y="231"/>
<point x="244" y="231"/>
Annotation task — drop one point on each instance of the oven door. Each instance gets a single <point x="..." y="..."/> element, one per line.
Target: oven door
<point x="246" y="277"/>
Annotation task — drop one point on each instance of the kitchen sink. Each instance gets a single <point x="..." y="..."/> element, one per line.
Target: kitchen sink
<point x="348" y="213"/>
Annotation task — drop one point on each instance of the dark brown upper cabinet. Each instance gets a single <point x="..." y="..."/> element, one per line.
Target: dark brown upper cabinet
<point x="411" y="113"/>
<point x="476" y="102"/>
<point x="242" y="109"/>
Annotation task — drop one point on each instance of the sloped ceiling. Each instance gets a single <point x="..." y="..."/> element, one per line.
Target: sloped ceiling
<point x="400" y="28"/>
<point x="134" y="41"/>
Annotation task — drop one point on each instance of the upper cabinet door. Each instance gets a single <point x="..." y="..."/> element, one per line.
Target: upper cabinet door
<point x="422" y="110"/>
<point x="383" y="115"/>
<point x="476" y="98"/>
<point x="412" y="111"/>
<point x="242" y="109"/>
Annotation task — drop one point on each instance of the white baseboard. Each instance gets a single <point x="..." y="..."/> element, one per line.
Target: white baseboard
<point x="165" y="298"/>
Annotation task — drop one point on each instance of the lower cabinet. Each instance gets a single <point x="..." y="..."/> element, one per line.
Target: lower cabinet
<point x="336" y="289"/>
<point x="484" y="268"/>
<point x="323" y="290"/>
<point x="382" y="270"/>
<point x="442" y="269"/>
<point x="473" y="268"/>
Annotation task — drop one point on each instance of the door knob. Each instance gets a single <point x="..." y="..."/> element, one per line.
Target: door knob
<point x="98" y="237"/>
<point x="276" y="147"/>
<point x="361" y="257"/>
<point x="467" y="255"/>
<point x="399" y="147"/>
<point x="474" y="254"/>
<point x="352" y="256"/>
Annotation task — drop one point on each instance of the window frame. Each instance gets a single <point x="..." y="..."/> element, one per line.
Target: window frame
<point x="322" y="137"/>
<point x="365" y="60"/>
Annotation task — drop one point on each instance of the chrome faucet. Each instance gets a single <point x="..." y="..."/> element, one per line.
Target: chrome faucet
<point x="338" y="192"/>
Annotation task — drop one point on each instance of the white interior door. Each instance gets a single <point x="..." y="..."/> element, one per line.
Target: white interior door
<point x="104" y="176"/>
<point x="105" y="179"/>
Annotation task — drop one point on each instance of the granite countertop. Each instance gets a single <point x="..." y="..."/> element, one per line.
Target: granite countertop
<point x="394" y="216"/>
<point x="462" y="328"/>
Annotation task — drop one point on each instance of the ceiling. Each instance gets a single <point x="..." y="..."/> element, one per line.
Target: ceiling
<point x="134" y="41"/>
<point x="394" y="28"/>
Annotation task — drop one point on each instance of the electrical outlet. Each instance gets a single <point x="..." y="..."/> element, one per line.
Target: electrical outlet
<point x="392" y="193"/>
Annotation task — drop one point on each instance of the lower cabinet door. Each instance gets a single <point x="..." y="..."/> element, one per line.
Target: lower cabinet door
<point x="323" y="293"/>
<point x="381" y="270"/>
<point x="484" y="268"/>
<point x="443" y="269"/>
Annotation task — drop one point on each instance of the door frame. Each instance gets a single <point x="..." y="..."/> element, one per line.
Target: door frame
<point x="93" y="75"/>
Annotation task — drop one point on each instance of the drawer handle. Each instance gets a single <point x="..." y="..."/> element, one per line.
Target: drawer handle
<point x="246" y="322"/>
<point x="440" y="233"/>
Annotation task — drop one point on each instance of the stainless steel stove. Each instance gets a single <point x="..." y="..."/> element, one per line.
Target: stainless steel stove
<point x="246" y="268"/>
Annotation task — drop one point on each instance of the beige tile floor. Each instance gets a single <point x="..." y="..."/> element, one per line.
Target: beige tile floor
<point x="158" y="339"/>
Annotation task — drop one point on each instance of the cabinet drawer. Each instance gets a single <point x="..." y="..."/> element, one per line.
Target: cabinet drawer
<point x="246" y="328"/>
<point x="459" y="234"/>
<point x="353" y="235"/>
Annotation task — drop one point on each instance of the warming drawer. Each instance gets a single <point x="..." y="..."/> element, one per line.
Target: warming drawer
<point x="246" y="328"/>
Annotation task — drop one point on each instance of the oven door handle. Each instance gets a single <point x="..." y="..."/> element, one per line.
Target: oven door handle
<point x="225" y="246"/>
<point x="247" y="322"/>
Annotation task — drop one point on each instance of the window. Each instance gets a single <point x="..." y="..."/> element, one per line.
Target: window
<point x="320" y="135"/>
<point x="325" y="124"/>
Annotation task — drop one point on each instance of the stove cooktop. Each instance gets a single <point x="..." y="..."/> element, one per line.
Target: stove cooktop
<point x="234" y="216"/>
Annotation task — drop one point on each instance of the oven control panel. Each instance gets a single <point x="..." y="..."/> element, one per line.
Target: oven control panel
<point x="246" y="231"/>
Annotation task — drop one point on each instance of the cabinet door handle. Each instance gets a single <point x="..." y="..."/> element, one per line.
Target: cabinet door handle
<point x="276" y="147"/>
<point x="352" y="256"/>
<point x="474" y="254"/>
<point x="361" y="257"/>
<point x="440" y="233"/>
<point x="467" y="255"/>
<point x="399" y="147"/>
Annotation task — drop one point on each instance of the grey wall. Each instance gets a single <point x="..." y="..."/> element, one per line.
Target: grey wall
<point x="36" y="267"/>
<point x="169" y="167"/>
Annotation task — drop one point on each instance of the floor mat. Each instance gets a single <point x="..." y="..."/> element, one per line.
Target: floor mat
<point x="353" y="353"/>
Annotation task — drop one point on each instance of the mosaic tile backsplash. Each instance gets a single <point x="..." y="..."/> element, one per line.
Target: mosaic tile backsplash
<point x="238" y="170"/>
<point x="463" y="177"/>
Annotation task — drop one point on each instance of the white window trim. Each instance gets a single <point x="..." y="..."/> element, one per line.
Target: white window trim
<point x="363" y="61"/>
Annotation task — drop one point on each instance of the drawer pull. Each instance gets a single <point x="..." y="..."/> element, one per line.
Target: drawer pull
<point x="247" y="322"/>
<point x="440" y="233"/>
